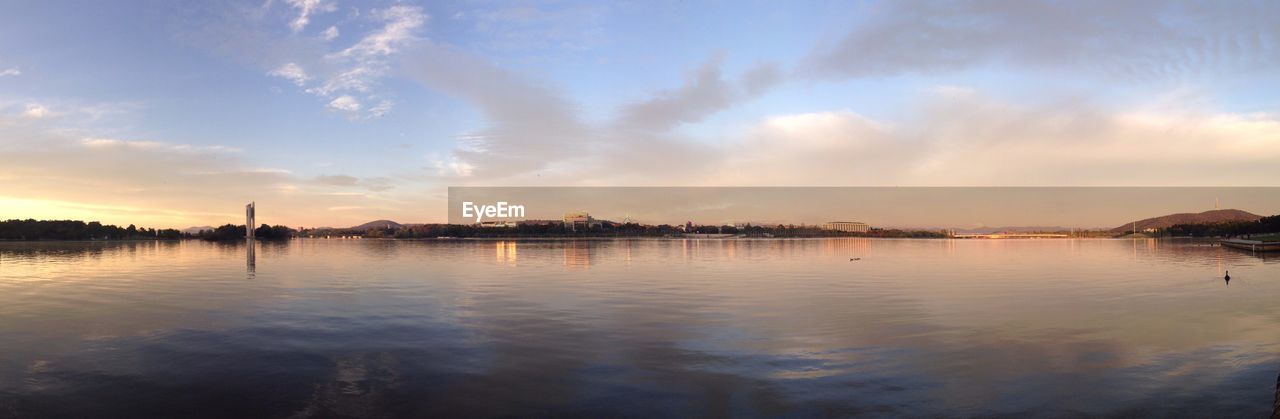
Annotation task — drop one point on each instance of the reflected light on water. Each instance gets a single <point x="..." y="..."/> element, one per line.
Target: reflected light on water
<point x="577" y="254"/>
<point x="371" y="328"/>
<point x="506" y="252"/>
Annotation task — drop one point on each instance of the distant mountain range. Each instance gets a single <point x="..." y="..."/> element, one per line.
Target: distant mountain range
<point x="1213" y="216"/>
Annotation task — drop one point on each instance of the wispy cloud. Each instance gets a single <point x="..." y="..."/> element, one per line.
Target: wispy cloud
<point x="530" y="125"/>
<point x="105" y="143"/>
<point x="1132" y="39"/>
<point x="350" y="75"/>
<point x="400" y="24"/>
<point x="36" y="111"/>
<point x="703" y="94"/>
<point x="10" y="72"/>
<point x="292" y="72"/>
<point x="345" y="104"/>
<point x="307" y="8"/>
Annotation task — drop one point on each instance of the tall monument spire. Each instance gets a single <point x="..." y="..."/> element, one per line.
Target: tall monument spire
<point x="248" y="221"/>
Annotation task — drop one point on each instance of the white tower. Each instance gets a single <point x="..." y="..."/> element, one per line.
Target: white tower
<point x="248" y="221"/>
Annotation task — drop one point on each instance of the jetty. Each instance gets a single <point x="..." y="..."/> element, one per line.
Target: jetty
<point x="1251" y="245"/>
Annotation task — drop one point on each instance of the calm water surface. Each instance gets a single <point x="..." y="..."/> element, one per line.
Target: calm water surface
<point x="368" y="328"/>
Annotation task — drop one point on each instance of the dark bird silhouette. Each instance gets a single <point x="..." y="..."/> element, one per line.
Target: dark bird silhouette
<point x="1227" y="276"/>
<point x="853" y="259"/>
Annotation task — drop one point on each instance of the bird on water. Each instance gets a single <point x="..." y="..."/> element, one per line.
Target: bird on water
<point x="1227" y="276"/>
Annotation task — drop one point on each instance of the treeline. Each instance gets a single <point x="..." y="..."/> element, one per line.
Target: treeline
<point x="79" y="230"/>
<point x="1225" y="229"/>
<point x="603" y="230"/>
<point x="236" y="232"/>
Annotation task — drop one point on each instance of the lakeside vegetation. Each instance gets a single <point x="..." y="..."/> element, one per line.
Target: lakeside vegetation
<point x="236" y="232"/>
<point x="1264" y="226"/>
<point x="603" y="230"/>
<point x="31" y="229"/>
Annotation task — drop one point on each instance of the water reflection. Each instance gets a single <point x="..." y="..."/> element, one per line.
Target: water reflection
<point x="507" y="252"/>
<point x="250" y="258"/>
<point x="577" y="254"/>
<point x="376" y="328"/>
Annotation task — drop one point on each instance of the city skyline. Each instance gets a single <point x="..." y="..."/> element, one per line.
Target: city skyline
<point x="336" y="113"/>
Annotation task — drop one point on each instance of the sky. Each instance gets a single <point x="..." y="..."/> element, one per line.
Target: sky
<point x="333" y="113"/>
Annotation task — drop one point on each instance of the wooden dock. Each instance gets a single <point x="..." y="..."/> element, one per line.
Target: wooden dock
<point x="1252" y="245"/>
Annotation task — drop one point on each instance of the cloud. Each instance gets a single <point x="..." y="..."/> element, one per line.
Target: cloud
<point x="10" y="72"/>
<point x="377" y="111"/>
<point x="530" y="125"/>
<point x="972" y="140"/>
<point x="761" y="78"/>
<point x="110" y="143"/>
<point x="453" y="168"/>
<point x="534" y="132"/>
<point x="319" y="65"/>
<point x="350" y="75"/>
<point x="376" y="184"/>
<point x="1132" y="40"/>
<point x="36" y="111"/>
<point x="306" y="8"/>
<point x="952" y="135"/>
<point x="345" y="104"/>
<point x="337" y="180"/>
<point x="292" y="72"/>
<point x="703" y="94"/>
<point x="401" y="22"/>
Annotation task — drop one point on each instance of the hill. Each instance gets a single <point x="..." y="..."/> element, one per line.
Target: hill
<point x="194" y="230"/>
<point x="377" y="224"/>
<point x="1213" y="216"/>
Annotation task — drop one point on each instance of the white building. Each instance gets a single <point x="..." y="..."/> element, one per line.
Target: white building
<point x="847" y="226"/>
<point x="579" y="220"/>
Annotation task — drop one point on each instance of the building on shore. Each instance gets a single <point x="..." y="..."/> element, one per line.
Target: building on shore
<point x="579" y="220"/>
<point x="846" y="226"/>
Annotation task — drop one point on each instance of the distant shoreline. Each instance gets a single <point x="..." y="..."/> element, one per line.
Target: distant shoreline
<point x="601" y="238"/>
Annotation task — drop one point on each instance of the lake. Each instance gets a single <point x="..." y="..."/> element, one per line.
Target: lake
<point x="643" y="328"/>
